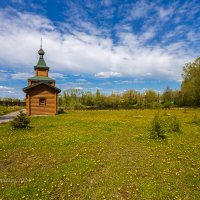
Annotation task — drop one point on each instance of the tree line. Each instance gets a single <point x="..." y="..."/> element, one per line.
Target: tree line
<point x="78" y="99"/>
<point x="11" y="102"/>
<point x="188" y="95"/>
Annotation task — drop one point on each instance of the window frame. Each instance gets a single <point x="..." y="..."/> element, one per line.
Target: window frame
<point x="42" y="103"/>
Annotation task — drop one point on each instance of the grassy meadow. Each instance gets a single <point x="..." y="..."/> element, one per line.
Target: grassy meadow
<point x="100" y="155"/>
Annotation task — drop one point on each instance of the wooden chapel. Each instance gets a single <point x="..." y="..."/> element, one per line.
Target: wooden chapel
<point x="41" y="93"/>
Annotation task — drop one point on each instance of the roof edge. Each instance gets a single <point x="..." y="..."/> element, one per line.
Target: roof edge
<point x="40" y="78"/>
<point x="40" y="67"/>
<point x="41" y="82"/>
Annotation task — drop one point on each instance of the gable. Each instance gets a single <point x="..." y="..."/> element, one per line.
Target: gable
<point x="42" y="86"/>
<point x="42" y="90"/>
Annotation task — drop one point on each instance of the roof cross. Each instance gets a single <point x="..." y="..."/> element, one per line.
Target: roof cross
<point x="41" y="44"/>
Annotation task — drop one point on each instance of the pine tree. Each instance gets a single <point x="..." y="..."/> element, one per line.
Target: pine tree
<point x="20" y="121"/>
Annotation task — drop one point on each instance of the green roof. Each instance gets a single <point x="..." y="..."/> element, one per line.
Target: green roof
<point x="40" y="78"/>
<point x="41" y="64"/>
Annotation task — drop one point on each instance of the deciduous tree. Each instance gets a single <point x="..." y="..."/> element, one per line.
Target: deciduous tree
<point x="191" y="83"/>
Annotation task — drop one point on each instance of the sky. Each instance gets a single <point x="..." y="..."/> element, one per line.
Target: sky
<point x="110" y="45"/>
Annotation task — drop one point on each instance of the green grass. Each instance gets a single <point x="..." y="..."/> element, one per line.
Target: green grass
<point x="100" y="155"/>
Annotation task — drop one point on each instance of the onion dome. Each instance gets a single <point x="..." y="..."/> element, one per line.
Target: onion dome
<point x="41" y="52"/>
<point x="41" y="62"/>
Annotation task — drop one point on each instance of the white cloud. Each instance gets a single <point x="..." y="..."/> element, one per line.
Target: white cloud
<point x="25" y="76"/>
<point x="21" y="76"/>
<point x="106" y="83"/>
<point x="6" y="89"/>
<point x="3" y="88"/>
<point x="11" y="92"/>
<point x="193" y="36"/>
<point x="78" y="88"/>
<point x="149" y="34"/>
<point x="130" y="82"/>
<point x="107" y="74"/>
<point x="3" y="71"/>
<point x="80" y="80"/>
<point x="107" y="2"/>
<point x="77" y="75"/>
<point x="56" y="75"/>
<point x="85" y="53"/>
<point x="3" y="75"/>
<point x="148" y="74"/>
<point x="140" y="9"/>
<point x="165" y="13"/>
<point x="179" y="81"/>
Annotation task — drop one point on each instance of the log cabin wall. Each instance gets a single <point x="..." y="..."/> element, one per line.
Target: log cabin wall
<point x="43" y="91"/>
<point x="28" y="103"/>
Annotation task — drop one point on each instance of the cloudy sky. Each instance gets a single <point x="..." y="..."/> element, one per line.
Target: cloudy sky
<point x="111" y="45"/>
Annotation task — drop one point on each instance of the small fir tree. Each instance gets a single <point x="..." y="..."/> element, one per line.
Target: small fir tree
<point x="20" y="121"/>
<point x="174" y="124"/>
<point x="158" y="129"/>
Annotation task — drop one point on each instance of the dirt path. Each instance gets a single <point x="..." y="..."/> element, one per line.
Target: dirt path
<point x="10" y="116"/>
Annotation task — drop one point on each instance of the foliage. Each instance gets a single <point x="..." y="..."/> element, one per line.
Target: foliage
<point x="167" y="95"/>
<point x="151" y="96"/>
<point x="60" y="110"/>
<point x="158" y="128"/>
<point x="79" y="106"/>
<point x="173" y="124"/>
<point x="196" y="120"/>
<point x="7" y="109"/>
<point x="188" y="95"/>
<point x="191" y="83"/>
<point x="20" y="121"/>
<point x="11" y="100"/>
<point x="130" y="99"/>
<point x="161" y="125"/>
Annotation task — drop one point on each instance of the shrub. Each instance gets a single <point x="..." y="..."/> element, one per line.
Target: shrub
<point x="173" y="124"/>
<point x="7" y="109"/>
<point x="79" y="106"/>
<point x="162" y="125"/>
<point x="158" y="129"/>
<point x="196" y="120"/>
<point x="60" y="110"/>
<point x="167" y="105"/>
<point x="20" y="121"/>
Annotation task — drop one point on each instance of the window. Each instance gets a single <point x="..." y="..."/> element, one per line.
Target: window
<point x="42" y="101"/>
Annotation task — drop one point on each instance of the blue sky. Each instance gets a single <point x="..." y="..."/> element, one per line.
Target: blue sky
<point x="111" y="45"/>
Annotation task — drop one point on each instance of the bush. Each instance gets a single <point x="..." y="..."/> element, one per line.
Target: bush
<point x="7" y="109"/>
<point x="79" y="106"/>
<point x="60" y="110"/>
<point x="162" y="125"/>
<point x="20" y="121"/>
<point x="196" y="120"/>
<point x="174" y="124"/>
<point x="158" y="129"/>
